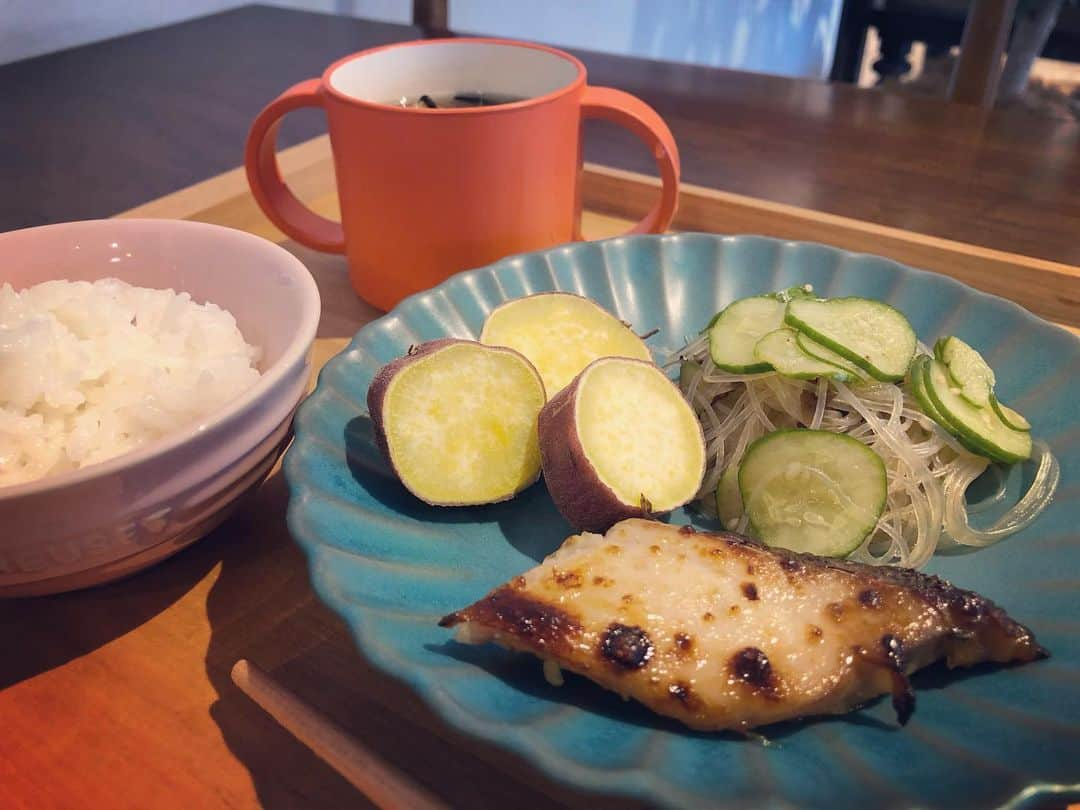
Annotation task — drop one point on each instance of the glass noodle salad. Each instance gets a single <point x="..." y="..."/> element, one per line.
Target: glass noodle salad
<point x="831" y="429"/>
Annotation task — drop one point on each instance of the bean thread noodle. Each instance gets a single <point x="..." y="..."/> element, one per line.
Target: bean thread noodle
<point x="928" y="471"/>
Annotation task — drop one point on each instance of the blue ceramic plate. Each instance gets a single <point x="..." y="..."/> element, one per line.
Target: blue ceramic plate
<point x="391" y="566"/>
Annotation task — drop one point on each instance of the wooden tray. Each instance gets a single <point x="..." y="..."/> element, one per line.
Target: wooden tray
<point x="121" y="696"/>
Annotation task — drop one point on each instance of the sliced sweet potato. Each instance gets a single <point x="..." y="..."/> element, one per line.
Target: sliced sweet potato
<point x="561" y="333"/>
<point x="619" y="442"/>
<point x="457" y="421"/>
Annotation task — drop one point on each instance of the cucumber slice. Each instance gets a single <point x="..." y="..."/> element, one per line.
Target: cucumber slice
<point x="871" y="334"/>
<point x="918" y="378"/>
<point x="737" y="330"/>
<point x="812" y="490"/>
<point x="815" y="349"/>
<point x="780" y="350"/>
<point x="1012" y="418"/>
<point x="729" y="506"/>
<point x="981" y="429"/>
<point x="917" y="386"/>
<point x="967" y="369"/>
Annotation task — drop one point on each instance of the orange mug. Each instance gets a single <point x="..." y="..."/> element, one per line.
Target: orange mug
<point x="427" y="192"/>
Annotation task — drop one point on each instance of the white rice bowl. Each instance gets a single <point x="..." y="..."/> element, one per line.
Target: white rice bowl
<point x="90" y="370"/>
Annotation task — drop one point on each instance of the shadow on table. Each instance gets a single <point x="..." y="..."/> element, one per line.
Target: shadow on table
<point x="49" y="631"/>
<point x="262" y="608"/>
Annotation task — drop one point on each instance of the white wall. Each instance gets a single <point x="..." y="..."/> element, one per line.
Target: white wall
<point x="791" y="37"/>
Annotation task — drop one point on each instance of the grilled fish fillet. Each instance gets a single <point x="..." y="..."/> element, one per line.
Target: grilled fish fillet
<point x="722" y="633"/>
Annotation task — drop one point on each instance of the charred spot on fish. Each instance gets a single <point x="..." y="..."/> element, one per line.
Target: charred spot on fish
<point x="451" y="619"/>
<point x="750" y="569"/>
<point x="510" y="611"/>
<point x="972" y="605"/>
<point x="962" y="610"/>
<point x="627" y="598"/>
<point x="654" y="549"/>
<point x="894" y="651"/>
<point x="602" y="581"/>
<point x="903" y="695"/>
<point x="612" y="549"/>
<point x="684" y="642"/>
<point x="626" y="645"/>
<point x="707" y="616"/>
<point x="903" y="698"/>
<point x="870" y="598"/>
<point x="791" y="565"/>
<point x="731" y="540"/>
<point x="749" y="590"/>
<point x="835" y="610"/>
<point x="567" y="579"/>
<point x="814" y="633"/>
<point x="751" y="666"/>
<point x="733" y="610"/>
<point x="687" y="529"/>
<point x="682" y="692"/>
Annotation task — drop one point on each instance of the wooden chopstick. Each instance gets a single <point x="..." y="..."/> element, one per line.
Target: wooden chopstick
<point x="385" y="786"/>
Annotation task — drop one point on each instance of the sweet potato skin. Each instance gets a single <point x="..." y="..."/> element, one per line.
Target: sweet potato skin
<point x="587" y="503"/>
<point x="376" y="402"/>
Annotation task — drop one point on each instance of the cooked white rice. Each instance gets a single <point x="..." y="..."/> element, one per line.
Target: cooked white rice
<point x="92" y="370"/>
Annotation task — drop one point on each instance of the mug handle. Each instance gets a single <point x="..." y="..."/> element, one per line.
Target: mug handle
<point x="279" y="204"/>
<point x="642" y="120"/>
